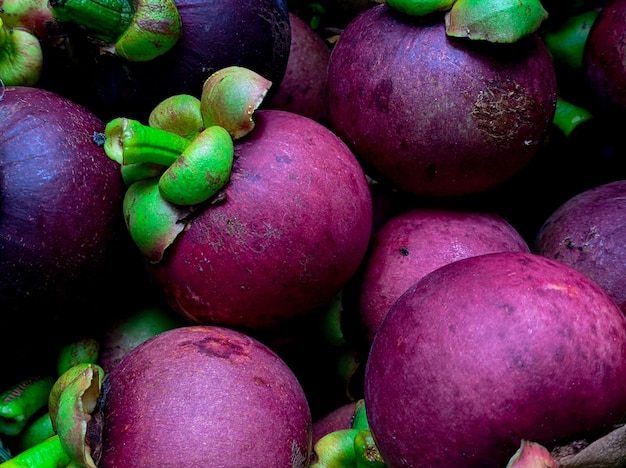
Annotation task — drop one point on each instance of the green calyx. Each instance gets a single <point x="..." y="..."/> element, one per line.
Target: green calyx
<point x="72" y="401"/>
<point x="229" y="98"/>
<point x="47" y="454"/>
<point x="201" y="170"/>
<point x="566" y="40"/>
<point x="152" y="221"/>
<point x="104" y="19"/>
<point x="138" y="32"/>
<point x="567" y="116"/>
<point x="503" y="21"/>
<point x="155" y="28"/>
<point x="179" y="114"/>
<point x="21" y="57"/>
<point x="420" y="7"/>
<point x="351" y="447"/>
<point x="19" y="403"/>
<point x="184" y="157"/>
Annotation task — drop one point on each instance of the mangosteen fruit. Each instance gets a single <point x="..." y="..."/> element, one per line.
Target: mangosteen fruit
<point x="435" y="115"/>
<point x="490" y="350"/>
<point x="202" y="396"/>
<point x="413" y="243"/>
<point x="604" y="60"/>
<point x="288" y="231"/>
<point x="255" y="34"/>
<point x="587" y="233"/>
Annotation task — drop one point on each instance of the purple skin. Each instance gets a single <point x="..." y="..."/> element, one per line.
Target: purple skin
<point x="292" y="230"/>
<point x="490" y="350"/>
<point x="604" y="59"/>
<point x="588" y="232"/>
<point x="416" y="242"/>
<point x="61" y="212"/>
<point x="255" y="34"/>
<point x="434" y="115"/>
<point x="304" y="86"/>
<point x="204" y="396"/>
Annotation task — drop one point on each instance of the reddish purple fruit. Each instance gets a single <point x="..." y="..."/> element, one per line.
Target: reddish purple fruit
<point x="414" y="243"/>
<point x="303" y="89"/>
<point x="588" y="232"/>
<point x="435" y="115"/>
<point x="204" y="396"/>
<point x="604" y="59"/>
<point x="491" y="350"/>
<point x="291" y="231"/>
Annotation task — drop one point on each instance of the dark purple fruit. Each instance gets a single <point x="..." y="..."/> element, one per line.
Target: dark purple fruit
<point x="434" y="115"/>
<point x="255" y="34"/>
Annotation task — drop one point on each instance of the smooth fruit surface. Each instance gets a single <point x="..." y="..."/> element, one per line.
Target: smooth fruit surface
<point x="490" y="350"/>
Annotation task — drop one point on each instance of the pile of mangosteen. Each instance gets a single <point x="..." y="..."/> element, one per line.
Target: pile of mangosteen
<point x="270" y="233"/>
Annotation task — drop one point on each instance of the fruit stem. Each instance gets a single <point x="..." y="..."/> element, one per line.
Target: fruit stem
<point x="128" y="141"/>
<point x="106" y="20"/>
<point x="20" y="402"/>
<point x="138" y="32"/>
<point x="568" y="116"/>
<point x="46" y="454"/>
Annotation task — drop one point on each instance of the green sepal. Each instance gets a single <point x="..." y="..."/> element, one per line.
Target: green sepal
<point x="155" y="28"/>
<point x="420" y="7"/>
<point x="152" y="221"/>
<point x="179" y="114"/>
<point x="229" y="98"/>
<point x="46" y="454"/>
<point x="19" y="403"/>
<point x="201" y="170"/>
<point x="567" y="116"/>
<point x="504" y="21"/>
<point x="566" y="40"/>
<point x="106" y="20"/>
<point x="335" y="449"/>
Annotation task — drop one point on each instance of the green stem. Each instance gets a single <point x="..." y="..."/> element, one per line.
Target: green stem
<point x="19" y="403"/>
<point x="106" y="20"/>
<point x="128" y="141"/>
<point x="84" y="350"/>
<point x="46" y="454"/>
<point x="568" y="116"/>
<point x="139" y="31"/>
<point x="566" y="41"/>
<point x="36" y="432"/>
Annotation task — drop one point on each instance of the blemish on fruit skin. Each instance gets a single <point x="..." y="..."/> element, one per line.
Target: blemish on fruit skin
<point x="404" y="251"/>
<point x="383" y="90"/>
<point x="501" y="108"/>
<point x="223" y="347"/>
